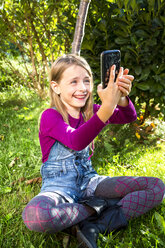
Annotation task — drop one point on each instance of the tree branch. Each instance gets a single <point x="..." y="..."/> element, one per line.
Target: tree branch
<point x="80" y="26"/>
<point x="34" y="73"/>
<point x="14" y="70"/>
<point x="37" y="37"/>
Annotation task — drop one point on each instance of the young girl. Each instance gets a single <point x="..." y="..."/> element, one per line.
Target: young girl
<point x="71" y="190"/>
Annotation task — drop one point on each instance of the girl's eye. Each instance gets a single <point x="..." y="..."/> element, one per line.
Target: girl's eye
<point x="87" y="81"/>
<point x="74" y="82"/>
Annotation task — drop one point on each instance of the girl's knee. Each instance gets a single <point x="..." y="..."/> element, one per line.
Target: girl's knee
<point x="30" y="219"/>
<point x="36" y="214"/>
<point x="41" y="215"/>
<point x="161" y="183"/>
<point x="159" y="190"/>
<point x="161" y="186"/>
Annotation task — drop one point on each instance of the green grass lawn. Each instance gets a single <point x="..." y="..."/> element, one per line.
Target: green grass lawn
<point x="118" y="152"/>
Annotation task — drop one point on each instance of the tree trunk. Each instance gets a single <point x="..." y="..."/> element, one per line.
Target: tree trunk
<point x="80" y="26"/>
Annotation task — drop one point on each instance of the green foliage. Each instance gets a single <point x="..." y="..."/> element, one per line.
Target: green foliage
<point x="137" y="29"/>
<point x="34" y="33"/>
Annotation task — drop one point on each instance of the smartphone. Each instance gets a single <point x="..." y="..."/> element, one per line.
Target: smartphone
<point x="109" y="58"/>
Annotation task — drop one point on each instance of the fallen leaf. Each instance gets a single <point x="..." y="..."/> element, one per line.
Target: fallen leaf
<point x="148" y="129"/>
<point x="21" y="179"/>
<point x="5" y="125"/>
<point x="2" y="137"/>
<point x="16" y="108"/>
<point x="13" y="162"/>
<point x="66" y="240"/>
<point x="34" y="180"/>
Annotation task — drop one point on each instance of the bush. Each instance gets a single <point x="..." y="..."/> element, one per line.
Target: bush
<point x="137" y="29"/>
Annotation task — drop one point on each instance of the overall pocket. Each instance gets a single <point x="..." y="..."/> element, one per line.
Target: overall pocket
<point x="52" y="170"/>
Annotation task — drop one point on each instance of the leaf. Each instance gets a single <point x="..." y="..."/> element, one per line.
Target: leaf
<point x="160" y="68"/>
<point x="148" y="129"/>
<point x="160" y="221"/>
<point x="2" y="137"/>
<point x="13" y="162"/>
<point x="66" y="240"/>
<point x="142" y="34"/>
<point x="32" y="246"/>
<point x="155" y="237"/>
<point x="152" y="42"/>
<point x="5" y="190"/>
<point x="17" y="181"/>
<point x="143" y="86"/>
<point x="34" y="180"/>
<point x="138" y="70"/>
<point x="108" y="147"/>
<point x="16" y="108"/>
<point x="156" y="34"/>
<point x="157" y="22"/>
<point x="6" y="125"/>
<point x="103" y="26"/>
<point x="88" y="45"/>
<point x="121" y="40"/>
<point x="162" y="19"/>
<point x="9" y="215"/>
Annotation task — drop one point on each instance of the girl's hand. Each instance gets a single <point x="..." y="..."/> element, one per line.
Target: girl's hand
<point x="112" y="93"/>
<point x="124" y="82"/>
<point x="110" y="96"/>
<point x="115" y="93"/>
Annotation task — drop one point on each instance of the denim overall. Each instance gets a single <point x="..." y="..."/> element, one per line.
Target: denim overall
<point x="67" y="172"/>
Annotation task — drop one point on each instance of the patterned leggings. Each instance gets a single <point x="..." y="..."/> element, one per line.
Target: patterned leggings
<point x="139" y="195"/>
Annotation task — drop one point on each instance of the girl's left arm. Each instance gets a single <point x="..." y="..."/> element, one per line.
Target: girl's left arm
<point x="122" y="114"/>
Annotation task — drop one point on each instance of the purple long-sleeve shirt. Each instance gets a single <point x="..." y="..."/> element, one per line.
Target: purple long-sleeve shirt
<point x="78" y="134"/>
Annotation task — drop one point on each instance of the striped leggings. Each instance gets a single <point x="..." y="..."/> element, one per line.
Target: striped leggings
<point x="52" y="214"/>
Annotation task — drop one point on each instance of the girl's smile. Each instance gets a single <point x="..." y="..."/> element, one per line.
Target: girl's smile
<point x="74" y="89"/>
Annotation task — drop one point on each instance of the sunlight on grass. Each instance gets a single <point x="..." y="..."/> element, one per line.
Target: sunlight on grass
<point x="150" y="163"/>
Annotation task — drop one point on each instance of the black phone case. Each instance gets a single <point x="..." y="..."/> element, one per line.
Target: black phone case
<point x="109" y="58"/>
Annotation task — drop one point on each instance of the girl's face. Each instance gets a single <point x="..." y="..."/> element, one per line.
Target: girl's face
<point x="74" y="89"/>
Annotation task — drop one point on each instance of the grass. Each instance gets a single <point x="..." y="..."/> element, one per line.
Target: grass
<point x="118" y="152"/>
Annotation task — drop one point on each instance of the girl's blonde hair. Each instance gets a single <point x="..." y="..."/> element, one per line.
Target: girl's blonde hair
<point x="56" y="72"/>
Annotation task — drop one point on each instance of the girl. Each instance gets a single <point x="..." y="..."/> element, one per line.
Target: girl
<point x="71" y="190"/>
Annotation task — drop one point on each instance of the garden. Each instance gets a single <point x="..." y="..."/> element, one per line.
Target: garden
<point x="33" y="34"/>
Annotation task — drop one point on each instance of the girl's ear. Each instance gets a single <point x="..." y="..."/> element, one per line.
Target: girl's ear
<point x="55" y="87"/>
